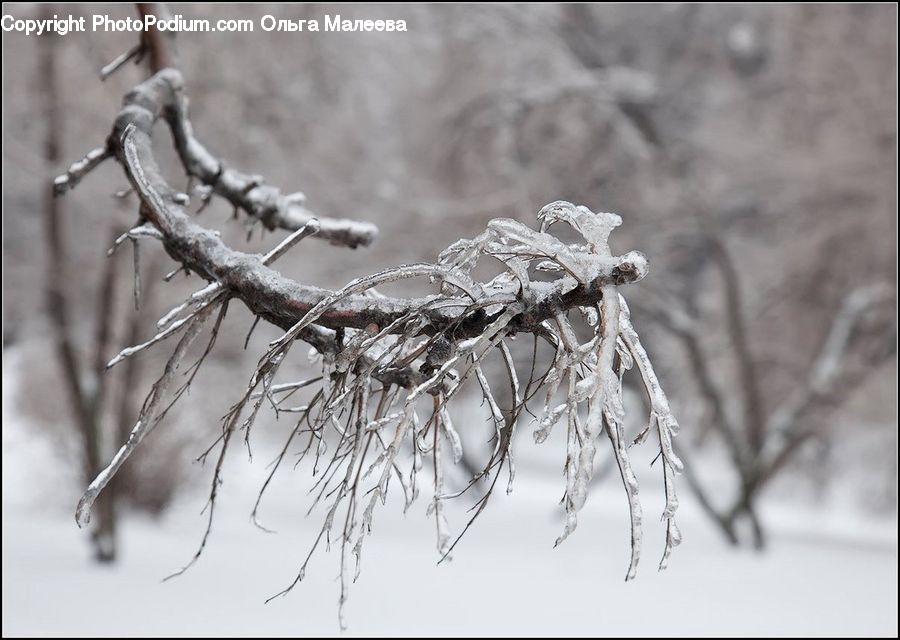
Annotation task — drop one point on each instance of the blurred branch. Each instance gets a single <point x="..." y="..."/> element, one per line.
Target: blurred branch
<point x="136" y="53"/>
<point x="104" y="320"/>
<point x="85" y="391"/>
<point x="57" y="263"/>
<point x="160" y="45"/>
<point x="782" y="427"/>
<point x="747" y="374"/>
<point x="677" y="322"/>
<point x="782" y="433"/>
<point x="705" y="500"/>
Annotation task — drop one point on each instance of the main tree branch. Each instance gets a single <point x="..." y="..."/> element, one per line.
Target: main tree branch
<point x="267" y="293"/>
<point x="392" y="367"/>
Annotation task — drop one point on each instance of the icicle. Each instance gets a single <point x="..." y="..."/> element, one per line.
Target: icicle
<point x="570" y="467"/>
<point x="452" y="435"/>
<point x="443" y="528"/>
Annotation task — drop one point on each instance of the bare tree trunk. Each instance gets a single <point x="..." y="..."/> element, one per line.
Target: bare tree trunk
<point x="728" y="530"/>
<point x="104" y="534"/>
<point x="85" y="395"/>
<point x="759" y="536"/>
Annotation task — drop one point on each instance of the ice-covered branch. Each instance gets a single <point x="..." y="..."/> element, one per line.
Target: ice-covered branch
<point x="162" y="97"/>
<point x="80" y="169"/>
<point x="248" y="192"/>
<point x="392" y="368"/>
<point x="146" y="421"/>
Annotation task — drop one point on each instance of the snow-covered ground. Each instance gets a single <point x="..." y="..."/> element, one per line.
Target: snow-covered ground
<point x="826" y="573"/>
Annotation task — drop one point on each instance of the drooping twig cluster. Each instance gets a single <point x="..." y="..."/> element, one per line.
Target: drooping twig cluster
<point x="390" y="367"/>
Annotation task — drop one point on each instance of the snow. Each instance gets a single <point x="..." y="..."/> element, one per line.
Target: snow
<point x="826" y="572"/>
<point x="498" y="583"/>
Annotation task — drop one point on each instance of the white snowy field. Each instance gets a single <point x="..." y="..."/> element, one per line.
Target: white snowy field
<point x="826" y="572"/>
<point x="504" y="579"/>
